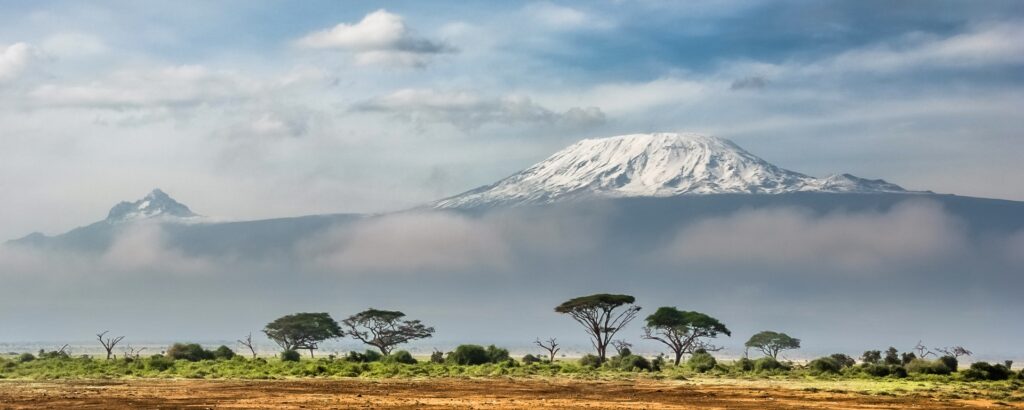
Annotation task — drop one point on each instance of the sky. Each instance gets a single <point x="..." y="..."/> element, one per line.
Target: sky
<point x="256" y="109"/>
<point x="259" y="109"/>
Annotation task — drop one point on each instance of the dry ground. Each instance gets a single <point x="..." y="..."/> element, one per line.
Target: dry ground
<point x="449" y="393"/>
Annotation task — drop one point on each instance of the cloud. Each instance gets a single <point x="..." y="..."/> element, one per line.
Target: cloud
<point x="379" y="38"/>
<point x="789" y="238"/>
<point x="16" y="58"/>
<point x="175" y="86"/>
<point x="71" y="44"/>
<point x="564" y="18"/>
<point x="752" y="82"/>
<point x="142" y="248"/>
<point x="470" y="110"/>
<point x="410" y="242"/>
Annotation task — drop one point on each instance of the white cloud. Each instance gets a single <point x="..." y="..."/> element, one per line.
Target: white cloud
<point x="72" y="44"/>
<point x="470" y="110"/>
<point x="379" y="38"/>
<point x="789" y="238"/>
<point x="410" y="243"/>
<point x="16" y="58"/>
<point x="564" y="18"/>
<point x="175" y="86"/>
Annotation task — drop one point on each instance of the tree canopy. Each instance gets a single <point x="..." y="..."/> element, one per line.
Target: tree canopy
<point x="385" y="329"/>
<point x="597" y="313"/>
<point x="302" y="330"/>
<point x="771" y="343"/>
<point x="683" y="331"/>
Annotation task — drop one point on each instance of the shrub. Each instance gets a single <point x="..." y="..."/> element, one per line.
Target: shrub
<point x="25" y="358"/>
<point x="365" y="357"/>
<point x="591" y="361"/>
<point x="898" y="372"/>
<point x="658" y="362"/>
<point x="437" y="357"/>
<point x="290" y="356"/>
<point x="823" y="365"/>
<point x="158" y="362"/>
<point x="986" y="371"/>
<point x="223" y="352"/>
<point x="768" y="363"/>
<point x="923" y="366"/>
<point x="189" y="351"/>
<point x="53" y="354"/>
<point x="496" y="354"/>
<point x="530" y="359"/>
<point x="744" y="365"/>
<point x="844" y="360"/>
<point x="951" y="362"/>
<point x="630" y="363"/>
<point x="876" y="370"/>
<point x="701" y="362"/>
<point x="469" y="355"/>
<point x="400" y="356"/>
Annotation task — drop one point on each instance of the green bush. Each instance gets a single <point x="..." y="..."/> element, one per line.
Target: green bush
<point x="898" y="372"/>
<point x="591" y="361"/>
<point x="701" y="362"/>
<point x="986" y="371"/>
<point x="223" y="352"/>
<point x="743" y="364"/>
<point x="629" y="363"/>
<point x="290" y="356"/>
<point x="496" y="354"/>
<point x="876" y="370"/>
<point x="767" y="364"/>
<point x="530" y="359"/>
<point x="922" y="366"/>
<point x="158" y="362"/>
<point x="368" y="356"/>
<point x="25" y="358"/>
<point x="824" y="365"/>
<point x="400" y="356"/>
<point x="951" y="362"/>
<point x="189" y="351"/>
<point x="437" y="357"/>
<point x="844" y="360"/>
<point x="469" y="355"/>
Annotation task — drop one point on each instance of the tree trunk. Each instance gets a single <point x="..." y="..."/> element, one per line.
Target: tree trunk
<point x="679" y="356"/>
<point x="311" y="353"/>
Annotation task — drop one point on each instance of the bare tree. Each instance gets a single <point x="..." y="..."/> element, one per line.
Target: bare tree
<point x="621" y="346"/>
<point x="247" y="342"/>
<point x="551" y="345"/>
<point x="131" y="352"/>
<point x="922" y="351"/>
<point x="109" y="342"/>
<point x="955" y="351"/>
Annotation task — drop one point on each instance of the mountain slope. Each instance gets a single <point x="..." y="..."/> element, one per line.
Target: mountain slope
<point x="653" y="165"/>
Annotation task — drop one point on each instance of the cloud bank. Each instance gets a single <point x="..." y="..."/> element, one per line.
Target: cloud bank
<point x="379" y="38"/>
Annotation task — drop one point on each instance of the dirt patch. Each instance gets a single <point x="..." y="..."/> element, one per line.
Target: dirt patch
<point x="443" y="394"/>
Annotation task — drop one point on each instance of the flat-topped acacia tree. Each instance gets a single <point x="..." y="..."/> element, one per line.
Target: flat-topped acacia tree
<point x="771" y="343"/>
<point x="302" y="331"/>
<point x="385" y="329"/>
<point x="602" y="316"/>
<point x="683" y="331"/>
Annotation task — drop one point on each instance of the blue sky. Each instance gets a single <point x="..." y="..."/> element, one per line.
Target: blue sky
<point x="252" y="109"/>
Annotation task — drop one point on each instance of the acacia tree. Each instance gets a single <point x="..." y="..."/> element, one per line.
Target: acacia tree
<point x="771" y="343"/>
<point x="385" y="329"/>
<point x="109" y="343"/>
<point x="683" y="331"/>
<point x="302" y="331"/>
<point x="601" y="317"/>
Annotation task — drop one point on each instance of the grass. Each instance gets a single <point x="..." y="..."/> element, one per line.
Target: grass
<point x="850" y="381"/>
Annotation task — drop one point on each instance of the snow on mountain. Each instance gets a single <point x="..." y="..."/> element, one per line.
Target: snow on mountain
<point x="654" y="165"/>
<point x="156" y="204"/>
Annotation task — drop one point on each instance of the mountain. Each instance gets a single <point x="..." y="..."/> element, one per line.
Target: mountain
<point x="156" y="204"/>
<point x="654" y="165"/>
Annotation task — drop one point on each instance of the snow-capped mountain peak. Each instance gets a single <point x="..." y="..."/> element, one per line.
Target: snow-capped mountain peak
<point x="655" y="165"/>
<point x="156" y="204"/>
